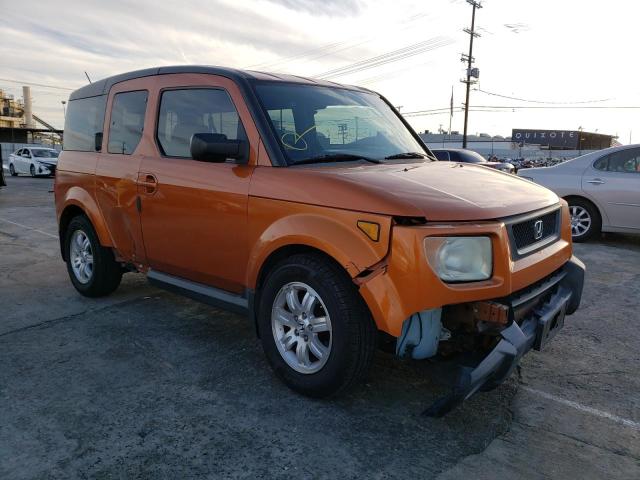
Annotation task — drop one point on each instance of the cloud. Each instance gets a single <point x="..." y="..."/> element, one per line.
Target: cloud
<point x="326" y="7"/>
<point x="55" y="42"/>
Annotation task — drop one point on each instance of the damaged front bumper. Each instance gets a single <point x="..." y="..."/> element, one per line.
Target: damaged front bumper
<point x="536" y="315"/>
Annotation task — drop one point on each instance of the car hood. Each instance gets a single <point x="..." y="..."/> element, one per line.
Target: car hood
<point x="438" y="191"/>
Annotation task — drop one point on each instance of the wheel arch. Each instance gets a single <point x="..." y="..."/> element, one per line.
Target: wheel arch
<point x="285" y="251"/>
<point x="82" y="204"/>
<point x="277" y="256"/>
<point x="599" y="211"/>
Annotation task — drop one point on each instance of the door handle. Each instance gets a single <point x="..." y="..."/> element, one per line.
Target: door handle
<point x="596" y="181"/>
<point x="148" y="181"/>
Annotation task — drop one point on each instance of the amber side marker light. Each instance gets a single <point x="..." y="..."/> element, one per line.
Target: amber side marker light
<point x="370" y="229"/>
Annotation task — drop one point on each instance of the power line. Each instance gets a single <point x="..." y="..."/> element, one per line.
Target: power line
<point x="388" y="75"/>
<point x="506" y="108"/>
<point x="35" y="84"/>
<point x="373" y="60"/>
<point x="332" y="48"/>
<point x="562" y="107"/>
<point x="303" y="54"/>
<point x="540" y="101"/>
<point x="389" y="57"/>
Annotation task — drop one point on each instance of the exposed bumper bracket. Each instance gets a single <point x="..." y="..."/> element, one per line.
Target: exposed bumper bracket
<point x="516" y="340"/>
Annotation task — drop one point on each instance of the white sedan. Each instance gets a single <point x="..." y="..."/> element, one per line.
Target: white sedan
<point x="34" y="161"/>
<point x="602" y="189"/>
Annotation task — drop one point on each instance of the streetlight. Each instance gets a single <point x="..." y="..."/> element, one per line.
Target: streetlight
<point x="64" y="110"/>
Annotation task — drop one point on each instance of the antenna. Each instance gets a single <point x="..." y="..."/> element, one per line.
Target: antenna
<point x="85" y="72"/>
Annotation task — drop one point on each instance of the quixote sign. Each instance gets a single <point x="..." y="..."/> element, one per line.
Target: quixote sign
<point x="552" y="138"/>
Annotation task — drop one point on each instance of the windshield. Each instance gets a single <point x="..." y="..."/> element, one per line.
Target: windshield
<point x="44" y="153"/>
<point x="326" y="123"/>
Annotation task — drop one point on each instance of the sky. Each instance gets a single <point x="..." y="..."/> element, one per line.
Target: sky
<point x="553" y="55"/>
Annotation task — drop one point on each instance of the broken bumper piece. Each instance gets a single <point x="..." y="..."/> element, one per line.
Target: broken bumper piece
<point x="535" y="329"/>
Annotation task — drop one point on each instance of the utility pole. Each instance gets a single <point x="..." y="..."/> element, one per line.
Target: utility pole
<point x="471" y="72"/>
<point x="342" y="129"/>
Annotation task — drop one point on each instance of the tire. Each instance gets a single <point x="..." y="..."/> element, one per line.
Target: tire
<point x="12" y="170"/>
<point x="349" y="335"/>
<point x="105" y="273"/>
<point x="586" y="222"/>
<point x="32" y="170"/>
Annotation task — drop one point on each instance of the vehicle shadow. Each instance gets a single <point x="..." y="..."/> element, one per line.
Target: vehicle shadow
<point x="619" y="240"/>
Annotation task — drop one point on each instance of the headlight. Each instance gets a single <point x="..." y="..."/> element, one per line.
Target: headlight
<point x="460" y="259"/>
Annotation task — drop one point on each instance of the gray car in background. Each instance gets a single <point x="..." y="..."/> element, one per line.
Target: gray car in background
<point x="602" y="189"/>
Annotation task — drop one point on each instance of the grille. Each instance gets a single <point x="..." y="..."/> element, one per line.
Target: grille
<point x="524" y="233"/>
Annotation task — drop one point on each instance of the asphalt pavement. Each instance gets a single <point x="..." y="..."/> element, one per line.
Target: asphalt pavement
<point x="146" y="384"/>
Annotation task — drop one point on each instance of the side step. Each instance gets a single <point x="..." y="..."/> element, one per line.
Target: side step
<point x="200" y="292"/>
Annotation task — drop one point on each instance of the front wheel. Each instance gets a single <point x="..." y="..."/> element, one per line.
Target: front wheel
<point x="91" y="267"/>
<point x="315" y="329"/>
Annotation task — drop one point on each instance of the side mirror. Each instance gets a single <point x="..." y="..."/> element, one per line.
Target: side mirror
<point x="216" y="147"/>
<point x="98" y="141"/>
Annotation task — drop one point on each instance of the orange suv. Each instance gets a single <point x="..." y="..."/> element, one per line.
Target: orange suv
<point x="316" y="210"/>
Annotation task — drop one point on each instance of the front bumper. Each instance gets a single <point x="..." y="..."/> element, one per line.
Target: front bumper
<point x="45" y="170"/>
<point x="533" y="323"/>
<point x="409" y="284"/>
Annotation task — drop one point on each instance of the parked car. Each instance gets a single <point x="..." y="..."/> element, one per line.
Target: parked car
<point x="469" y="156"/>
<point x="602" y="189"/>
<point x="35" y="161"/>
<point x="245" y="191"/>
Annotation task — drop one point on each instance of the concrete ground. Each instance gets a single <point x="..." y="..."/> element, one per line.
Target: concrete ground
<point x="145" y="384"/>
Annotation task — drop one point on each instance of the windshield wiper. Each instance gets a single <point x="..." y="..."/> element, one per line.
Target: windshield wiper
<point x="399" y="156"/>
<point x="336" y="157"/>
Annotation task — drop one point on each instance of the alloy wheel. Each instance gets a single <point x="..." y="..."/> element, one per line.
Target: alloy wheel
<point x="301" y="327"/>
<point x="81" y="256"/>
<point x="580" y="220"/>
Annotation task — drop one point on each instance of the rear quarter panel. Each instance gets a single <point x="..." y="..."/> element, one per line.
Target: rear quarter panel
<point x="75" y="185"/>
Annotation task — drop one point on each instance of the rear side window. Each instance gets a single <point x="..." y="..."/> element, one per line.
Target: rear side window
<point x="602" y="163"/>
<point x="127" y="121"/>
<point x="623" y="161"/>
<point x="200" y="110"/>
<point x="85" y="118"/>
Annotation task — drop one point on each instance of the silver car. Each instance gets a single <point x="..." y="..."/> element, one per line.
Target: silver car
<point x="602" y="189"/>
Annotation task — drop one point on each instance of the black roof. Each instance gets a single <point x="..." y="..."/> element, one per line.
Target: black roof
<point x="102" y="87"/>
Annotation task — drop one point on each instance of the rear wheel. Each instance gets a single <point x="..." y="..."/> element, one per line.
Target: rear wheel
<point x="12" y="170"/>
<point x="315" y="329"/>
<point x="585" y="219"/>
<point x="91" y="267"/>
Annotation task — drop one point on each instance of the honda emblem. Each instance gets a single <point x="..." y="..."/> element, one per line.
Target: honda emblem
<point x="538" y="229"/>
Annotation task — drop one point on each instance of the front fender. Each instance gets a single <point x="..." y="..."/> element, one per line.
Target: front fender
<point x="276" y="224"/>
